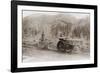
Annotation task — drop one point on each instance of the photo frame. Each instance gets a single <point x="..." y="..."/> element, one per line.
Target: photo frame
<point x="52" y="36"/>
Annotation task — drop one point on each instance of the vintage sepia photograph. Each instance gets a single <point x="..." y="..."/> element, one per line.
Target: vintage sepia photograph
<point x="55" y="36"/>
<point x="52" y="36"/>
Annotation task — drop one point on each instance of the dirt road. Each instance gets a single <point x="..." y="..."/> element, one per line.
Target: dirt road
<point x="34" y="54"/>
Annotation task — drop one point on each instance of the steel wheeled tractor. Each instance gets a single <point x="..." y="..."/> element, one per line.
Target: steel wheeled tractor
<point x="65" y="46"/>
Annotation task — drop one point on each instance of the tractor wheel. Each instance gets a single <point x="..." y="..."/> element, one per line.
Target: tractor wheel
<point x="60" y="46"/>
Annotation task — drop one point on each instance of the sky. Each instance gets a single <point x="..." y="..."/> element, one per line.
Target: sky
<point x="77" y="15"/>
